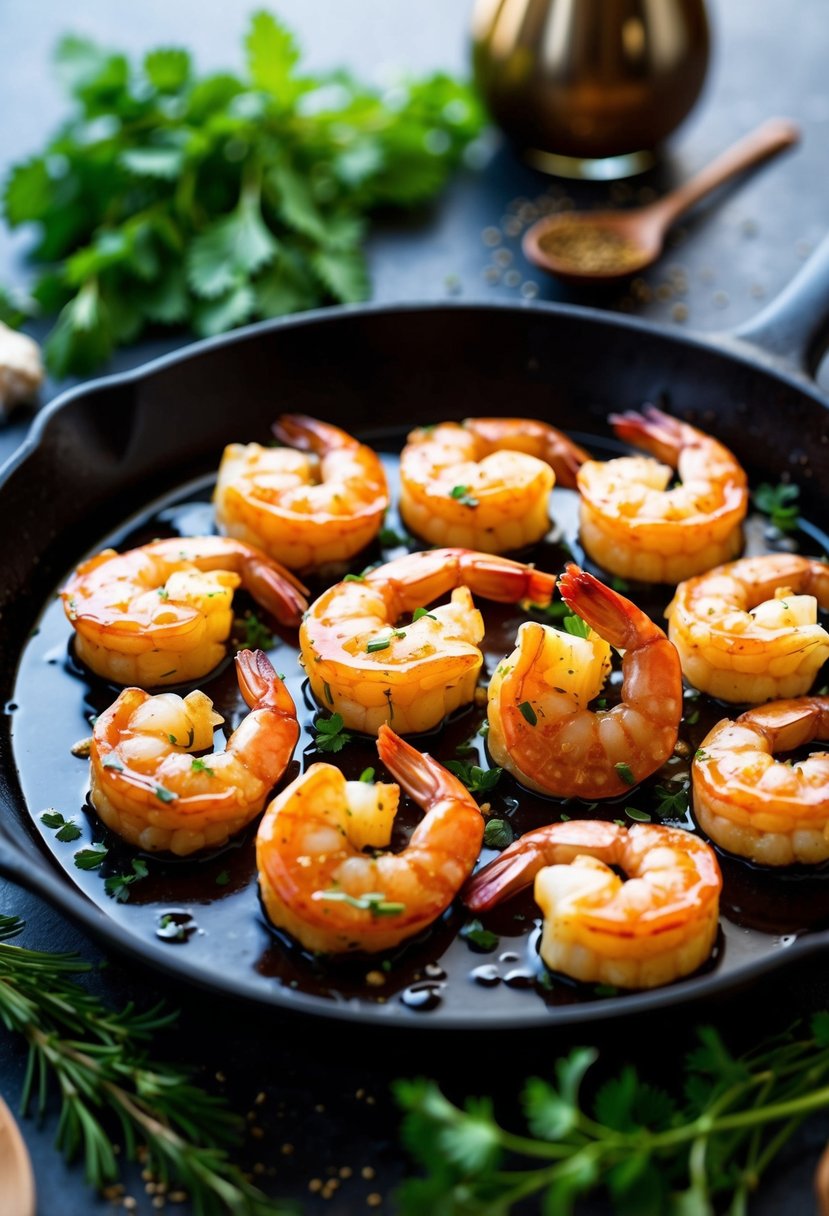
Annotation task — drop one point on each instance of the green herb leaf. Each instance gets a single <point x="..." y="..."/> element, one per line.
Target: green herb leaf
<point x="780" y="503"/>
<point x="479" y="938"/>
<point x="250" y="633"/>
<point x="625" y="772"/>
<point x="198" y="765"/>
<point x="52" y="819"/>
<point x="421" y="612"/>
<point x="477" y="780"/>
<point x="175" y="197"/>
<point x="117" y="886"/>
<point x="367" y="775"/>
<point x="672" y="804"/>
<point x="331" y="737"/>
<point x="91" y="857"/>
<point x="574" y="625"/>
<point x="638" y="816"/>
<point x="463" y="494"/>
<point x="498" y="834"/>
<point x="526" y="710"/>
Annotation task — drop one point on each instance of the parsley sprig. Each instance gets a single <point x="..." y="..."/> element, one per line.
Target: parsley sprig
<point x="109" y="1089"/>
<point x="331" y="737"/>
<point x="476" y="779"/>
<point x="170" y="197"/>
<point x="651" y="1151"/>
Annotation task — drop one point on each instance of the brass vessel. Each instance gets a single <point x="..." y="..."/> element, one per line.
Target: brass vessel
<point x="588" y="88"/>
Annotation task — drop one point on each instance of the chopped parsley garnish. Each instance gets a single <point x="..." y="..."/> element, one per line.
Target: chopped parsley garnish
<point x="374" y="902"/>
<point x="420" y="612"/>
<point x="625" y="772"/>
<point x="463" y="495"/>
<point x="481" y="940"/>
<point x="222" y="878"/>
<point x="779" y="503"/>
<point x="527" y="711"/>
<point x="476" y="779"/>
<point x="354" y="578"/>
<point x="249" y="633"/>
<point x="576" y="626"/>
<point x="498" y="834"/>
<point x="113" y="762"/>
<point x="329" y="696"/>
<point x="330" y="734"/>
<point x="165" y="795"/>
<point x="117" y="886"/>
<point x="163" y="593"/>
<point x="198" y="766"/>
<point x="367" y="775"/>
<point x="91" y="857"/>
<point x="633" y="812"/>
<point x="374" y="644"/>
<point x="671" y="805"/>
<point x="67" y="829"/>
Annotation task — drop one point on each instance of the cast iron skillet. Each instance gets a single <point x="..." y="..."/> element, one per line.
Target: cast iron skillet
<point x="102" y="452"/>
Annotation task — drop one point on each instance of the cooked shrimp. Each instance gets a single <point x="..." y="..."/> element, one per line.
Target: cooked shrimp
<point x="484" y="483"/>
<point x="146" y="785"/>
<point x="634" y="526"/>
<point x="161" y="614"/>
<point x="658" y="925"/>
<point x="318" y="884"/>
<point x="319" y="499"/>
<point x="540" y="726"/>
<point x="748" y="631"/>
<point x="361" y="665"/>
<point x="775" y="812"/>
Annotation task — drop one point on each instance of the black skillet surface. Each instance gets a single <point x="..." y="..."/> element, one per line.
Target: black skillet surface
<point x="107" y="465"/>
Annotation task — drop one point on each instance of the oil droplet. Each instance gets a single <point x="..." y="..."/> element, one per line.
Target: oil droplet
<point x="788" y="939"/>
<point x="422" y="997"/>
<point x="509" y="956"/>
<point x="486" y="975"/>
<point x="434" y="971"/>
<point x="519" y="978"/>
<point x="176" y="925"/>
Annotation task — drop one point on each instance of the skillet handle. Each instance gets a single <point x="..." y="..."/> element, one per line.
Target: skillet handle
<point x="793" y="328"/>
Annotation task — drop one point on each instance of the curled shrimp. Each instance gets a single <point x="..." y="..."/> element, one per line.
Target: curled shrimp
<point x="634" y="526"/>
<point x="319" y="499"/>
<point x="150" y="789"/>
<point x="772" y="811"/>
<point x="658" y="925"/>
<point x="484" y="483"/>
<point x="161" y="614"/>
<point x="540" y="726"/>
<point x="318" y="884"/>
<point x="748" y="631"/>
<point x="361" y="665"/>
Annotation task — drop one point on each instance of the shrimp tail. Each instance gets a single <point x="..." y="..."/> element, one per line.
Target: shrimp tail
<point x="615" y="618"/>
<point x="310" y="434"/>
<point x="653" y="430"/>
<point x="497" y="578"/>
<point x="504" y="877"/>
<point x="422" y="777"/>
<point x="260" y="685"/>
<point x="276" y="589"/>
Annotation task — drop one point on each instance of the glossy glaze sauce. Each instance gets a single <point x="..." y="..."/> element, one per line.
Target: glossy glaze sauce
<point x="209" y="906"/>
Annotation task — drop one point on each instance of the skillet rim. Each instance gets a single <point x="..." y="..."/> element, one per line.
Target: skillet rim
<point x="14" y="863"/>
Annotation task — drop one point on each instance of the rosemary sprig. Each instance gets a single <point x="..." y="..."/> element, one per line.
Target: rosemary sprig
<point x="96" y="1057"/>
<point x="651" y="1151"/>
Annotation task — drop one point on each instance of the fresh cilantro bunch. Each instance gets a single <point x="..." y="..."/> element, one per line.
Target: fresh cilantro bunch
<point x="653" y="1153"/>
<point x="170" y="198"/>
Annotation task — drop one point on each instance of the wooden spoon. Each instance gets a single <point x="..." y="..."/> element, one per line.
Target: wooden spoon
<point x="599" y="246"/>
<point x="17" y="1187"/>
